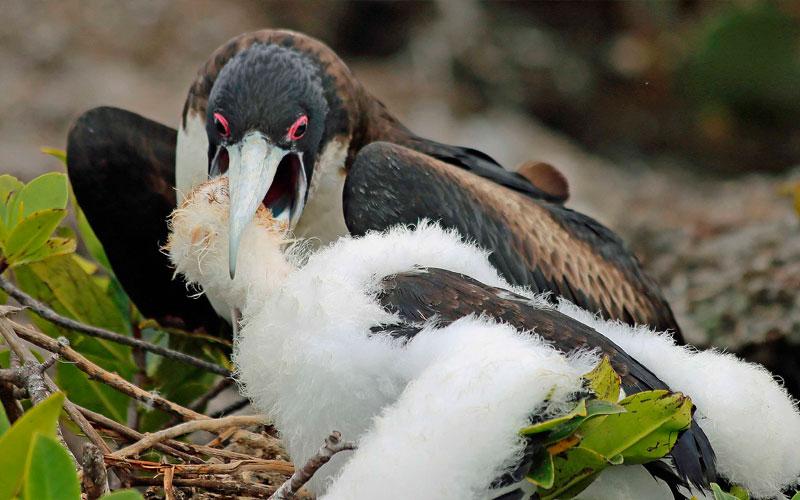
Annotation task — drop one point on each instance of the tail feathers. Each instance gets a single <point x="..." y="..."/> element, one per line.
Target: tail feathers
<point x="661" y="470"/>
<point x="694" y="458"/>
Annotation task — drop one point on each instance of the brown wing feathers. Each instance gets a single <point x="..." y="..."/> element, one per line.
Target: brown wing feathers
<point x="533" y="243"/>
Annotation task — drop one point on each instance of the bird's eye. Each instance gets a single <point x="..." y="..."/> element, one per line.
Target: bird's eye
<point x="221" y="124"/>
<point x="297" y="129"/>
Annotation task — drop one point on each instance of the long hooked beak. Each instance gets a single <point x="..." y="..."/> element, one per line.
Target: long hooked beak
<point x="253" y="163"/>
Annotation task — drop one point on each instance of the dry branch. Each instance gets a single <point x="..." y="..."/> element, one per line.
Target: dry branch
<point x="229" y="487"/>
<point x="95" y="478"/>
<point x="333" y="445"/>
<point x="210" y="425"/>
<point x="171" y="447"/>
<point x="169" y="475"/>
<point x="238" y="405"/>
<point x="45" y="312"/>
<point x="111" y="379"/>
<point x="251" y="464"/>
<point x="200" y="402"/>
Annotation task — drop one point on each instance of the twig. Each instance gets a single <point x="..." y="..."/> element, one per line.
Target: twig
<point x="45" y="312"/>
<point x="95" y="478"/>
<point x="200" y="402"/>
<point x="186" y="428"/>
<point x="171" y="447"/>
<point x="30" y="374"/>
<point x="230" y="487"/>
<point x="140" y="377"/>
<point x="8" y="392"/>
<point x="333" y="445"/>
<point x="231" y="408"/>
<point x="12" y="333"/>
<point x="261" y="465"/>
<point x="96" y="373"/>
<point x="10" y="404"/>
<point x="169" y="475"/>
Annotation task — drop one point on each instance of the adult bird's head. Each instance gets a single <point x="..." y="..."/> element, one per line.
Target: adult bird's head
<point x="265" y="121"/>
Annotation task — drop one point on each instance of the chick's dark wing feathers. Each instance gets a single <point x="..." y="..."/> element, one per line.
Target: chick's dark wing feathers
<point x="444" y="296"/>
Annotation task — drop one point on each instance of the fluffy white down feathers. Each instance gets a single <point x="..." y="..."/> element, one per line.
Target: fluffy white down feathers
<point x="438" y="417"/>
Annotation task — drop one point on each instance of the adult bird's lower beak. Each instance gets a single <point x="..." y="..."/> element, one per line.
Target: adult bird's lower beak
<point x="253" y="165"/>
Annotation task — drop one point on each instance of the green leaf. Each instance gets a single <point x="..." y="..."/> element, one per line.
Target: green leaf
<point x="4" y="422"/>
<point x="721" y="495"/>
<point x="16" y="442"/>
<point x="578" y="411"/>
<point x="542" y="473"/>
<point x="111" y="356"/>
<point x="78" y="293"/>
<point x="89" y="238"/>
<point x="9" y="188"/>
<point x="50" y="473"/>
<point x="796" y="496"/>
<point x="51" y="248"/>
<point x="31" y="233"/>
<point x="58" y="153"/>
<point x="5" y="358"/>
<point x="123" y="495"/>
<point x="96" y="397"/>
<point x="44" y="192"/>
<point x="38" y="284"/>
<point x="645" y="432"/>
<point x="575" y="469"/>
<point x="740" y="493"/>
<point x="604" y="381"/>
<point x="594" y="408"/>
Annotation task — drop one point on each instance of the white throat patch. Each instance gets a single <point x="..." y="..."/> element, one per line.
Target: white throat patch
<point x="323" y="216"/>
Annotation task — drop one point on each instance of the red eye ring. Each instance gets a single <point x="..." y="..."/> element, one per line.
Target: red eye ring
<point x="221" y="124"/>
<point x="297" y="129"/>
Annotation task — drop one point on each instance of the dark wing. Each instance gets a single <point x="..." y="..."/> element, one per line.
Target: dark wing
<point x="544" y="246"/>
<point x="445" y="296"/>
<point x="122" y="169"/>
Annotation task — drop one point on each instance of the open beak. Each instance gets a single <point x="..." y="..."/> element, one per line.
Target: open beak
<point x="260" y="173"/>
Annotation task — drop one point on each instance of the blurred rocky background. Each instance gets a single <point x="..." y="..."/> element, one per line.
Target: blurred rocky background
<point x="677" y="123"/>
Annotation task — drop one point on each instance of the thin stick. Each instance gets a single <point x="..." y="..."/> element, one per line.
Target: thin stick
<point x="333" y="445"/>
<point x="95" y="478"/>
<point x="169" y="476"/>
<point x="12" y="333"/>
<point x="10" y="404"/>
<point x="111" y="379"/>
<point x="230" y="487"/>
<point x="238" y="405"/>
<point x="45" y="312"/>
<point x="200" y="402"/>
<point x="30" y="374"/>
<point x="174" y="448"/>
<point x="261" y="465"/>
<point x="186" y="428"/>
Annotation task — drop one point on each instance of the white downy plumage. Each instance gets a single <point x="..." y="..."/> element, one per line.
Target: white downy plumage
<point x="438" y="417"/>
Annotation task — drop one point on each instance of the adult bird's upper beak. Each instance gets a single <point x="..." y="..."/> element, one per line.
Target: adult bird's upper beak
<point x="253" y="164"/>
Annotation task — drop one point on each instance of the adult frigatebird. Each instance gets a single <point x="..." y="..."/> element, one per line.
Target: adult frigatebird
<point x="282" y="116"/>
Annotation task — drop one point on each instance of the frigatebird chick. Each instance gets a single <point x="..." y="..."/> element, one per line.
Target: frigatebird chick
<point x="410" y="342"/>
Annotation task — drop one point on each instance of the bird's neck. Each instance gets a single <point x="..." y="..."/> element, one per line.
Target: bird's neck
<point x="374" y="122"/>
